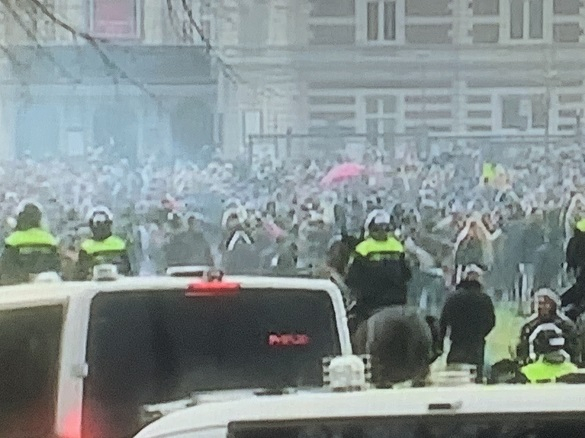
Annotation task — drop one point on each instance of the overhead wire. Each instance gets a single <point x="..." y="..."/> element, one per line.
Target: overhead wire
<point x="94" y="43"/>
<point x="231" y="74"/>
<point x="12" y="57"/>
<point x="42" y="50"/>
<point x="228" y="70"/>
<point x="173" y="19"/>
<point x="17" y="66"/>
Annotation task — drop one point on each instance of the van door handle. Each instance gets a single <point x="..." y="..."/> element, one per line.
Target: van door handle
<point x="445" y="406"/>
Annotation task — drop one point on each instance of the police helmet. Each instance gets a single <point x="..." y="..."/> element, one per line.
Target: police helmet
<point x="547" y="294"/>
<point x="100" y="216"/>
<point x="29" y="206"/>
<point x="472" y="271"/>
<point x="29" y="215"/>
<point x="378" y="219"/>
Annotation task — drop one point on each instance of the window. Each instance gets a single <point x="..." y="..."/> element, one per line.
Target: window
<point x="566" y="7"/>
<point x="470" y="426"/>
<point x="523" y="112"/>
<point x="381" y="21"/>
<point x="536" y="18"/>
<point x="516" y="19"/>
<point x="332" y="35"/>
<point x="118" y="19"/>
<point x="380" y="120"/>
<point x="146" y="347"/>
<point x="511" y="114"/>
<point x="539" y="111"/>
<point x="428" y="34"/>
<point x="380" y="131"/>
<point x="486" y="33"/>
<point x="486" y="7"/>
<point x="526" y="19"/>
<point x="254" y="19"/>
<point x="426" y="8"/>
<point x="338" y="8"/>
<point x="30" y="341"/>
<point x="567" y="32"/>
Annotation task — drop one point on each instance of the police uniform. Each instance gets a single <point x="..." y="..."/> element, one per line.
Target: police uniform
<point x="379" y="273"/>
<point x="27" y="252"/>
<point x="543" y="371"/>
<point x="532" y="327"/>
<point x="111" y="250"/>
<point x="562" y="322"/>
<point x="553" y="362"/>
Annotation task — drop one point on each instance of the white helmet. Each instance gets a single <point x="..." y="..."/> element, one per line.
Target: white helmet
<point x="100" y="214"/>
<point x="377" y="217"/>
<point x="547" y="293"/>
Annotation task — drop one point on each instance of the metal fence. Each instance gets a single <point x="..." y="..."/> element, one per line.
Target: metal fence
<point x="504" y="147"/>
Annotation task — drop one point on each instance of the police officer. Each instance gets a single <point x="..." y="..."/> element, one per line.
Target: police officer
<point x="29" y="249"/>
<point x="103" y="247"/>
<point x="378" y="272"/>
<point x="547" y="311"/>
<point x="553" y="361"/>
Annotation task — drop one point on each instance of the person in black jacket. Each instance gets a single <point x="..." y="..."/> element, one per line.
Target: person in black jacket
<point x="188" y="247"/>
<point x="576" y="250"/>
<point x="469" y="314"/>
<point x="574" y="298"/>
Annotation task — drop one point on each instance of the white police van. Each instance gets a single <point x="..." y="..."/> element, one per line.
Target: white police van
<point x="351" y="409"/>
<point x="101" y="359"/>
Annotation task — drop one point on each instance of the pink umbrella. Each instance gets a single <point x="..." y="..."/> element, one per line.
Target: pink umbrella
<point x="342" y="173"/>
<point x="274" y="230"/>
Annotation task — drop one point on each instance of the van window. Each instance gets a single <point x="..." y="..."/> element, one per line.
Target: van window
<point x="30" y="342"/>
<point x="451" y="426"/>
<point x="158" y="346"/>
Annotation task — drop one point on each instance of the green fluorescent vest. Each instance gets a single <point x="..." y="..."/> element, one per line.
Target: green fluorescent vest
<point x="31" y="237"/>
<point x="110" y="245"/>
<point x="544" y="371"/>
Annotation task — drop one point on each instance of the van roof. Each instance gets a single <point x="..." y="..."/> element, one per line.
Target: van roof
<point x="41" y="292"/>
<point x="473" y="399"/>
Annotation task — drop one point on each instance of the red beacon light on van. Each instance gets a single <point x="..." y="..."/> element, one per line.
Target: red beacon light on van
<point x="212" y="285"/>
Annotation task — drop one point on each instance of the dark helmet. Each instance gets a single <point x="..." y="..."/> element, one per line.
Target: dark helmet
<point x="29" y="216"/>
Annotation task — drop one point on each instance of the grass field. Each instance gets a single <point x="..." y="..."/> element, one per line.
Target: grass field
<point x="505" y="334"/>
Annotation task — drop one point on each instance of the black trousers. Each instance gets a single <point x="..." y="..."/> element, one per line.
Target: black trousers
<point x="472" y="354"/>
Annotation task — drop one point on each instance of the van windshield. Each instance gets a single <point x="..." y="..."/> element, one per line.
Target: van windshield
<point x="444" y="426"/>
<point x="150" y="347"/>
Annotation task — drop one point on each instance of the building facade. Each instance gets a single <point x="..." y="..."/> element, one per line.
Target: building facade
<point x="145" y="86"/>
<point x="391" y="67"/>
<point x="381" y="68"/>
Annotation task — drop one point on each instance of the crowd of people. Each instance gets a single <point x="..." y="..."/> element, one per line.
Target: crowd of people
<point x="453" y="210"/>
<point x="446" y="210"/>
